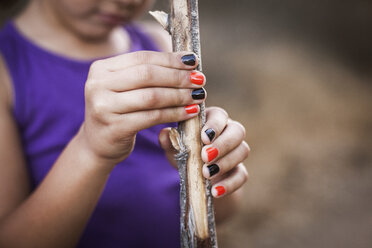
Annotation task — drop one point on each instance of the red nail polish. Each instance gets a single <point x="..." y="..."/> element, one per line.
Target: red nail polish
<point x="220" y="190"/>
<point x="191" y="109"/>
<point x="212" y="153"/>
<point x="197" y="78"/>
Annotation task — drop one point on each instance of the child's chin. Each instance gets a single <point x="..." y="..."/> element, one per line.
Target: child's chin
<point x="95" y="33"/>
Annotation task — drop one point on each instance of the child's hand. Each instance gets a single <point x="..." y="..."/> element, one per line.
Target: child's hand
<point x="135" y="91"/>
<point x="223" y="153"/>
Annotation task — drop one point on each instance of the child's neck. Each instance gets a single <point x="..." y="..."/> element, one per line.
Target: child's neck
<point x="51" y="36"/>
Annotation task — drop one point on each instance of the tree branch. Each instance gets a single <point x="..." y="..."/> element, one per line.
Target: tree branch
<point x="197" y="214"/>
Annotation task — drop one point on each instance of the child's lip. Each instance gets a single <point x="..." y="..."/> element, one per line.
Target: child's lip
<point x="113" y="19"/>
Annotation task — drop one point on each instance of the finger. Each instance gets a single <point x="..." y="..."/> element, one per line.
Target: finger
<point x="155" y="98"/>
<point x="167" y="146"/>
<point x="227" y="162"/>
<point x="137" y="121"/>
<point x="215" y="124"/>
<point x="236" y="178"/>
<point x="146" y="75"/>
<point x="231" y="137"/>
<point x="179" y="60"/>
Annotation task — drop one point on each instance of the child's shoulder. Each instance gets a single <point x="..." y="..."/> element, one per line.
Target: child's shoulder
<point x="5" y="85"/>
<point x="10" y="56"/>
<point x="11" y="44"/>
<point x="6" y="37"/>
<point x="157" y="34"/>
<point x="7" y="31"/>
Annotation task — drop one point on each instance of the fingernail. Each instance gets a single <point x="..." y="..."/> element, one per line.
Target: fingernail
<point x="189" y="59"/>
<point x="220" y="190"/>
<point x="212" y="153"/>
<point x="198" y="94"/>
<point x="210" y="133"/>
<point x="190" y="109"/>
<point x="197" y="78"/>
<point x="213" y="169"/>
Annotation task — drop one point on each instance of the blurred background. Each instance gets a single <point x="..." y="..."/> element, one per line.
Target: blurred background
<point x="298" y="75"/>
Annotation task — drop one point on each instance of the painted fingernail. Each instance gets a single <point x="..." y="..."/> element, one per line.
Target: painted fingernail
<point x="189" y="59"/>
<point x="210" y="133"/>
<point x="220" y="190"/>
<point x="212" y="153"/>
<point x="190" y="109"/>
<point x="198" y="94"/>
<point x="197" y="78"/>
<point x="213" y="169"/>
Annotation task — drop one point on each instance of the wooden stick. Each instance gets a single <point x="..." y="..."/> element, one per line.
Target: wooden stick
<point x="197" y="214"/>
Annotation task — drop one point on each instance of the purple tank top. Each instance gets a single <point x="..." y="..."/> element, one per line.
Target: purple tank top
<point x="140" y="203"/>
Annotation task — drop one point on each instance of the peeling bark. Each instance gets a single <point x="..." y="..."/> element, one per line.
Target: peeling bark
<point x="197" y="214"/>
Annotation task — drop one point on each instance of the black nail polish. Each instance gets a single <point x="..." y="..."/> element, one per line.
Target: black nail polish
<point x="189" y="59"/>
<point x="198" y="94"/>
<point x="210" y="133"/>
<point x="213" y="169"/>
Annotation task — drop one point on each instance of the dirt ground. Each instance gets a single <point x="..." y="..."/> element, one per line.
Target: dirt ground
<point x="304" y="93"/>
<point x="297" y="74"/>
<point x="309" y="126"/>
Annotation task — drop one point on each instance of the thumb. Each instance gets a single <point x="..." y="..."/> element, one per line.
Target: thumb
<point x="167" y="146"/>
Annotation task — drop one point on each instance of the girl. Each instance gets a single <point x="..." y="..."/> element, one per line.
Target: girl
<point x="81" y="163"/>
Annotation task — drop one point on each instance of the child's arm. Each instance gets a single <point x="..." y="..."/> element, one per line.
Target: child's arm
<point x="123" y="94"/>
<point x="14" y="181"/>
<point x="56" y="213"/>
